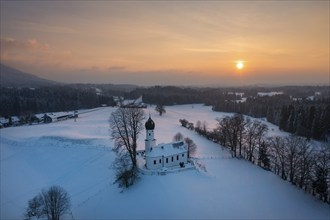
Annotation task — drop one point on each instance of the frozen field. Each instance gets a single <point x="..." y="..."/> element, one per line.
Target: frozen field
<point x="78" y="157"/>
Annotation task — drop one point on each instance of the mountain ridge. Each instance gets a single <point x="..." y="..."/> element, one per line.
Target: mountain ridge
<point x="12" y="77"/>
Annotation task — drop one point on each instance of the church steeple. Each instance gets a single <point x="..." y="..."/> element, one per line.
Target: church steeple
<point x="150" y="140"/>
<point x="150" y="124"/>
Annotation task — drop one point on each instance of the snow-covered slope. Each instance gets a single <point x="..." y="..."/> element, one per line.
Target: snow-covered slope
<point x="78" y="156"/>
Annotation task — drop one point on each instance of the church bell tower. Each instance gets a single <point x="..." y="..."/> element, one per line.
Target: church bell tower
<point x="150" y="140"/>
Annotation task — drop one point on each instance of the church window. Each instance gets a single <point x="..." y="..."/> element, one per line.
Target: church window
<point x="182" y="155"/>
<point x="154" y="161"/>
<point x="172" y="159"/>
<point x="160" y="160"/>
<point x="166" y="160"/>
<point x="177" y="157"/>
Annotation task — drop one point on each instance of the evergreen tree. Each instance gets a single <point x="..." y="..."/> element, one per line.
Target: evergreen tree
<point x="300" y="123"/>
<point x="270" y="115"/>
<point x="283" y="118"/>
<point x="290" y="125"/>
<point x="315" y="129"/>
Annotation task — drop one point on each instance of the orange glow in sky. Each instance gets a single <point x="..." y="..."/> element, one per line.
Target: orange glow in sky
<point x="159" y="42"/>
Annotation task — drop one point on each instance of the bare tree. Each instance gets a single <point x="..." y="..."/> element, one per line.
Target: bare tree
<point x="178" y="137"/>
<point x="254" y="133"/>
<point x="223" y="130"/>
<point x="305" y="161"/>
<point x="198" y="126"/>
<point x="231" y="131"/>
<point x="292" y="148"/>
<point x="184" y="122"/>
<point x="263" y="157"/>
<point x="220" y="134"/>
<point x="52" y="203"/>
<point x="191" y="146"/>
<point x="160" y="109"/>
<point x="201" y="128"/>
<point x="321" y="183"/>
<point x="126" y="124"/>
<point x="277" y="145"/>
<point x="57" y="202"/>
<point x="239" y="122"/>
<point x="35" y="207"/>
<point x="125" y="175"/>
<point x="190" y="126"/>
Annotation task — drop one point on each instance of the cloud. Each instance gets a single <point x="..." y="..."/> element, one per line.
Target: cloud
<point x="177" y="77"/>
<point x="31" y="52"/>
<point x="34" y="44"/>
<point x="116" y="68"/>
<point x="10" y="43"/>
<point x="205" y="50"/>
<point x="39" y="27"/>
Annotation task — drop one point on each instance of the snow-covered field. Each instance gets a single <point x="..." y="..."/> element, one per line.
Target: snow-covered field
<point x="77" y="156"/>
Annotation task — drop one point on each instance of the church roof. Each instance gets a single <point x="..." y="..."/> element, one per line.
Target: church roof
<point x="167" y="149"/>
<point x="150" y="124"/>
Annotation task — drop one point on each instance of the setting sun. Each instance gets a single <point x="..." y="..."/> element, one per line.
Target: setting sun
<point x="239" y="65"/>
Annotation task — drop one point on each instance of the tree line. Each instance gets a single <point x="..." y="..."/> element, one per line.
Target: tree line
<point x="28" y="101"/>
<point x="293" y="111"/>
<point x="296" y="159"/>
<point x="309" y="119"/>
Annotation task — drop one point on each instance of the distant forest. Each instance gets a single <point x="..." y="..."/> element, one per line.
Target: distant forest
<point x="29" y="101"/>
<point x="301" y="110"/>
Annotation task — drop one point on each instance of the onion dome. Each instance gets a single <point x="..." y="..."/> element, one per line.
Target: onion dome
<point x="150" y="124"/>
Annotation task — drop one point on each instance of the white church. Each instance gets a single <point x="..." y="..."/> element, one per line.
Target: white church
<point x="163" y="155"/>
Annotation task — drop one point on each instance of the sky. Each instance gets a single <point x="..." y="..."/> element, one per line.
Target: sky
<point x="168" y="42"/>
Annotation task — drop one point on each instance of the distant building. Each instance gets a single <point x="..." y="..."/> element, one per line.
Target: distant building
<point x="4" y="122"/>
<point x="129" y="103"/>
<point x="15" y="121"/>
<point x="53" y="117"/>
<point x="47" y="119"/>
<point x="163" y="155"/>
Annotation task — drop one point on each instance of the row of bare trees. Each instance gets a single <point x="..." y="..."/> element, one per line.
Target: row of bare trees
<point x="304" y="163"/>
<point x="294" y="158"/>
<point x="241" y="135"/>
<point x="297" y="160"/>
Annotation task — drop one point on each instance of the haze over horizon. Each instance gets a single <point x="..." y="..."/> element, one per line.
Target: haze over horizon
<point x="168" y="43"/>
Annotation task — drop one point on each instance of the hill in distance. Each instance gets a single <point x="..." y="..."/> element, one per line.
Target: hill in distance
<point x="11" y="77"/>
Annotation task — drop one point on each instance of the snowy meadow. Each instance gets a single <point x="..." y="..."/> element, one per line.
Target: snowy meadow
<point x="77" y="155"/>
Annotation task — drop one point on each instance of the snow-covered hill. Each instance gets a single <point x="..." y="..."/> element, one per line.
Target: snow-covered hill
<point x="77" y="156"/>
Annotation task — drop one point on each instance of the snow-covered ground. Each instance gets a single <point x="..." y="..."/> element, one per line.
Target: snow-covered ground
<point x="77" y="156"/>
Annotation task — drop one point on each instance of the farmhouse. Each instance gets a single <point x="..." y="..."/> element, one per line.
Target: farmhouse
<point x="129" y="103"/>
<point x="163" y="155"/>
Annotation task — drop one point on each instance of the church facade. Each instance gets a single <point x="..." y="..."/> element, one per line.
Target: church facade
<point x="163" y="155"/>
